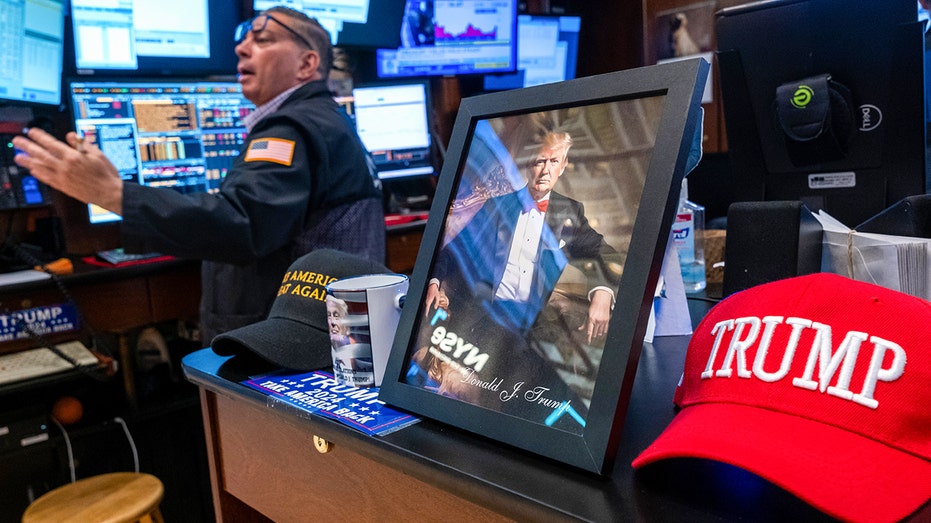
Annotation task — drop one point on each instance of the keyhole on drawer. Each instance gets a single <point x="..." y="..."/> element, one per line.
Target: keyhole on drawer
<point x="323" y="446"/>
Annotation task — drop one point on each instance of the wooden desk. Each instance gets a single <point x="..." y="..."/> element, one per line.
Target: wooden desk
<point x="264" y="465"/>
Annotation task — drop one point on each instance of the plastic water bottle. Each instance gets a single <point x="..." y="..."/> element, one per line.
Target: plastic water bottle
<point x="689" y="237"/>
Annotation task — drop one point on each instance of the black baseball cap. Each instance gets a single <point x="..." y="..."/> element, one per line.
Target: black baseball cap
<point x="295" y="334"/>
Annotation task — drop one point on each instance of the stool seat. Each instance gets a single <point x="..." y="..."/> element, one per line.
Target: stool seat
<point x="119" y="497"/>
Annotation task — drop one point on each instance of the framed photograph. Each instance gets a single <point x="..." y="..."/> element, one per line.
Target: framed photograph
<point x="534" y="281"/>
<point x="685" y="31"/>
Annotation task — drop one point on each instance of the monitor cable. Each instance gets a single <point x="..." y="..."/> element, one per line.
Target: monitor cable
<point x="72" y="469"/>
<point x="132" y="443"/>
<point x="68" y="448"/>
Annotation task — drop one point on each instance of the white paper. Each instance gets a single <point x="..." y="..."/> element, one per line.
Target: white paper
<point x="895" y="262"/>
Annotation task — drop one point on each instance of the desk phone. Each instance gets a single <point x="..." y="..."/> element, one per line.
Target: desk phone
<point x="17" y="187"/>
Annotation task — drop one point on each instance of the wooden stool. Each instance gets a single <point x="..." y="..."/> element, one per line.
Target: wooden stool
<point x="120" y="497"/>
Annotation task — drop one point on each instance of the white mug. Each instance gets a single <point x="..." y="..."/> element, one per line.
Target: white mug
<point x="362" y="316"/>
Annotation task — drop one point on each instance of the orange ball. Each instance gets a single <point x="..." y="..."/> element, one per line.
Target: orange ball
<point x="67" y="410"/>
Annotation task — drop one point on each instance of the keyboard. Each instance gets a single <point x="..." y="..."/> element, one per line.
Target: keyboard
<point x="117" y="256"/>
<point x="34" y="363"/>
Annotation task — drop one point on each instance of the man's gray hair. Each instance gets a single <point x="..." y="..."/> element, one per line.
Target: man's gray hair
<point x="310" y="29"/>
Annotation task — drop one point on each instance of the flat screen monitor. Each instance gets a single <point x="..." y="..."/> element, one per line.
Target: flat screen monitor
<point x="150" y="37"/>
<point x="351" y="23"/>
<point x="823" y="103"/>
<point x="547" y="52"/>
<point x="393" y="121"/>
<point x="32" y="52"/>
<point x="182" y="135"/>
<point x="453" y="37"/>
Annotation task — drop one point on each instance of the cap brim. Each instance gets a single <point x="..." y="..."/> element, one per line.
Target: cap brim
<point x="840" y="473"/>
<point x="283" y="342"/>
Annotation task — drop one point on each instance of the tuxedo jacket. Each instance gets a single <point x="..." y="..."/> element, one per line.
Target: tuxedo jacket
<point x="471" y="265"/>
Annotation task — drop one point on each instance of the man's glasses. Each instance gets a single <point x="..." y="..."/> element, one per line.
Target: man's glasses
<point x="257" y="25"/>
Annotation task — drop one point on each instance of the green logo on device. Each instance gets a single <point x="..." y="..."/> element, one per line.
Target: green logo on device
<point x="802" y="96"/>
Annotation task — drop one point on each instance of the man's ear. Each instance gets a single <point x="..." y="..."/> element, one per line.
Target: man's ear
<point x="310" y="63"/>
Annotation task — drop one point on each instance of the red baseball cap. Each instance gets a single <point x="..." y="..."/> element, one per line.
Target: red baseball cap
<point x="819" y="384"/>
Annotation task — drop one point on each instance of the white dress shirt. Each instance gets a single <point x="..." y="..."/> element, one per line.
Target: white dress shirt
<point x="523" y="257"/>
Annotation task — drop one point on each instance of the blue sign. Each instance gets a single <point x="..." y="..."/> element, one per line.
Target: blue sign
<point x="42" y="321"/>
<point x="321" y="394"/>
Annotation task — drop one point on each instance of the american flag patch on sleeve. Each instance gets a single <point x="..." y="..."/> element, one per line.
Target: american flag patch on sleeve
<point x="270" y="150"/>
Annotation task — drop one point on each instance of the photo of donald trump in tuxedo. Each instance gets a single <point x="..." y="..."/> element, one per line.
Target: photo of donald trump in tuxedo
<point x="494" y="284"/>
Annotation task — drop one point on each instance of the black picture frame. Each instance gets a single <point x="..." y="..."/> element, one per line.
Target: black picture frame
<point x="633" y="132"/>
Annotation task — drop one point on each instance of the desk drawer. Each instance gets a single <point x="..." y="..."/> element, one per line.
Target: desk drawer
<point x="269" y="462"/>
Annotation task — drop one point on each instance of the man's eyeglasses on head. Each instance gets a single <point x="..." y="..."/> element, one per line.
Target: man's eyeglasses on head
<point x="257" y="25"/>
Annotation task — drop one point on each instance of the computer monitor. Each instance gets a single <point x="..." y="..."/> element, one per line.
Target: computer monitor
<point x="824" y="103"/>
<point x="547" y="51"/>
<point x="32" y="52"/>
<point x="351" y="23"/>
<point x="453" y="37"/>
<point x="183" y="135"/>
<point x="394" y="122"/>
<point x="154" y="37"/>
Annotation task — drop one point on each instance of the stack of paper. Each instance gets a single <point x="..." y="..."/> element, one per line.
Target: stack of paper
<point x="894" y="262"/>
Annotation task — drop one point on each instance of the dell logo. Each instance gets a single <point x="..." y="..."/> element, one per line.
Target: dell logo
<point x="870" y="117"/>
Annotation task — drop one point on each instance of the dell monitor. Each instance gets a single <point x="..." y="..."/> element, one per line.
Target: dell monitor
<point x="183" y="135"/>
<point x="453" y="37"/>
<point x="824" y="103"/>
<point x="547" y="52"/>
<point x="143" y="38"/>
<point x="32" y="51"/>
